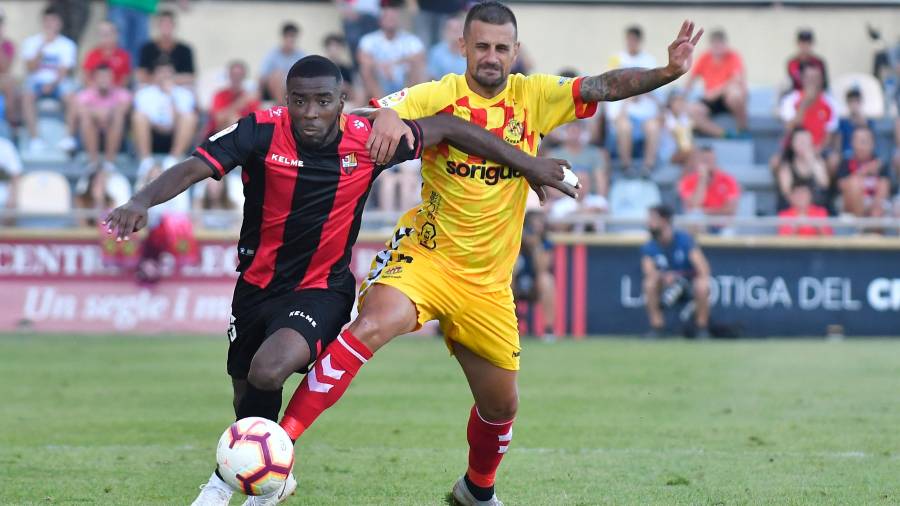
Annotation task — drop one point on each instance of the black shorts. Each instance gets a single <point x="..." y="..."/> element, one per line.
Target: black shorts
<point x="161" y="142"/>
<point x="318" y="315"/>
<point x="716" y="106"/>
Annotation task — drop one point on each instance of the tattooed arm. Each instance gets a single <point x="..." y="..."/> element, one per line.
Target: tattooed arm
<point x="623" y="83"/>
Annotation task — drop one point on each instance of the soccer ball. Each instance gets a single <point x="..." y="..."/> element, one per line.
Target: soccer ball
<point x="255" y="456"/>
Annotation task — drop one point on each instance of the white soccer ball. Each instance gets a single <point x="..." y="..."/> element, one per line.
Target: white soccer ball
<point x="255" y="456"/>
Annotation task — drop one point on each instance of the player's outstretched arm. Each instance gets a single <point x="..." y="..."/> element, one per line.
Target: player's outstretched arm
<point x="539" y="172"/>
<point x="623" y="83"/>
<point x="132" y="216"/>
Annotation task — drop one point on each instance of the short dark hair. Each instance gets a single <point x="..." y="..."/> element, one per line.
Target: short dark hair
<point x="718" y="34"/>
<point x="636" y="31"/>
<point x="393" y="4"/>
<point x="289" y="28"/>
<point x="166" y="13"/>
<point x="334" y="38"/>
<point x="801" y="184"/>
<point x="853" y="93"/>
<point x="52" y="11"/>
<point x="805" y="35"/>
<point x="102" y="66"/>
<point x="663" y="211"/>
<point x="315" y="66"/>
<point x="492" y="13"/>
<point x="237" y="63"/>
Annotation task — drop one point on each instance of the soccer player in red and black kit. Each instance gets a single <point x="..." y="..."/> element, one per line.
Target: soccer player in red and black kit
<point x="307" y="171"/>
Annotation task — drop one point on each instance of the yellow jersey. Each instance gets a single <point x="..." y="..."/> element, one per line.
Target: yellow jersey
<point x="472" y="209"/>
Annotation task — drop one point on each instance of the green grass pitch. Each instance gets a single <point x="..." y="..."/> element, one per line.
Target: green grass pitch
<point x="118" y="421"/>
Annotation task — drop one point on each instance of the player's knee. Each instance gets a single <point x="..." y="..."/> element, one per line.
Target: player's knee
<point x="371" y="331"/>
<point x="701" y="288"/>
<point x="266" y="378"/>
<point x="500" y="411"/>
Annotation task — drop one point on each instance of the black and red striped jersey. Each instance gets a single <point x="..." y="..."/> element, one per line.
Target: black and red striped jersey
<point x="302" y="207"/>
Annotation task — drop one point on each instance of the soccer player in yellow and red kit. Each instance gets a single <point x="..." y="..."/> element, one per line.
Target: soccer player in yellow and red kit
<point x="451" y="258"/>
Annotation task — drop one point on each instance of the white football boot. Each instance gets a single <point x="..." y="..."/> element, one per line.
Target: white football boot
<point x="290" y="485"/>
<point x="464" y="497"/>
<point x="214" y="493"/>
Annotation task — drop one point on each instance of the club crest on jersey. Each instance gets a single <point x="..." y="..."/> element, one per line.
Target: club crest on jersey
<point x="514" y="131"/>
<point x="348" y="163"/>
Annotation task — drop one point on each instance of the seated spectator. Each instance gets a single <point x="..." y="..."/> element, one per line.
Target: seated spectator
<point x="801" y="199"/>
<point x="49" y="59"/>
<point x="631" y="198"/>
<point x="214" y="196"/>
<point x="101" y="111"/>
<point x="811" y="108"/>
<point x="431" y="18"/>
<point x="707" y="189"/>
<point x="278" y="62"/>
<point x="724" y="86"/>
<point x="109" y="54"/>
<point x="634" y="122"/>
<point x="8" y="95"/>
<point x="163" y="120"/>
<point x="446" y="56"/>
<point x="93" y="198"/>
<point x="587" y="161"/>
<point x="533" y="279"/>
<point x="166" y="47"/>
<point x="863" y="179"/>
<point x="805" y="58"/>
<point x="10" y="169"/>
<point x="358" y="18"/>
<point x="591" y="201"/>
<point x="233" y="102"/>
<point x="398" y="186"/>
<point x="675" y="273"/>
<point x="842" y="148"/>
<point x="336" y="50"/>
<point x="801" y="164"/>
<point x="679" y="128"/>
<point x="391" y="58"/>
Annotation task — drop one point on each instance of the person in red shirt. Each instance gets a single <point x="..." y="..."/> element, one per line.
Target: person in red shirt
<point x="234" y="102"/>
<point x="802" y="207"/>
<point x="863" y="179"/>
<point x="811" y="108"/>
<point x="108" y="53"/>
<point x="804" y="58"/>
<point x="725" y="86"/>
<point x="707" y="189"/>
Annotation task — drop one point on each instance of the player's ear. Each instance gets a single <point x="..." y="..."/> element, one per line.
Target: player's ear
<point x="462" y="45"/>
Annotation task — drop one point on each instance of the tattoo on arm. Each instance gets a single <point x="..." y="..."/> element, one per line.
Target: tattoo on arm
<point x="623" y="83"/>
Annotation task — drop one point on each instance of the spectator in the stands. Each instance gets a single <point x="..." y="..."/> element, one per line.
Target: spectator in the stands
<point x="679" y="127"/>
<point x="588" y="161"/>
<point x="724" y="86"/>
<point x="398" y="186"/>
<point x="802" y="206"/>
<point x="811" y="108"/>
<point x="8" y="95"/>
<point x="390" y="58"/>
<point x="805" y="57"/>
<point x="166" y="46"/>
<point x="10" y="169"/>
<point x="591" y="204"/>
<point x="533" y="279"/>
<point x="278" y="62"/>
<point x="163" y="120"/>
<point x="676" y="274"/>
<point x="49" y="59"/>
<point x="101" y="111"/>
<point x="74" y="15"/>
<point x="108" y="53"/>
<point x="856" y="118"/>
<point x="233" y="102"/>
<point x="358" y="18"/>
<point x="430" y="17"/>
<point x="635" y="121"/>
<point x="446" y="57"/>
<point x="214" y="196"/>
<point x="93" y="199"/>
<point x="801" y="163"/>
<point x="336" y="50"/>
<point x="863" y="179"/>
<point x="707" y="189"/>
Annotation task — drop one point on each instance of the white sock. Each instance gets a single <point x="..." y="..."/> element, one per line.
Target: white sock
<point x="216" y="482"/>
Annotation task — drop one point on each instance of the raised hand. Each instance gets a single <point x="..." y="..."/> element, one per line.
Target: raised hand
<point x="681" y="50"/>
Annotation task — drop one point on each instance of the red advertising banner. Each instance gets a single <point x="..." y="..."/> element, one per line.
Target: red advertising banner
<point x="65" y="285"/>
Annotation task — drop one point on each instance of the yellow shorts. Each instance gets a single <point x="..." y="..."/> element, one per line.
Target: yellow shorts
<point x="479" y="318"/>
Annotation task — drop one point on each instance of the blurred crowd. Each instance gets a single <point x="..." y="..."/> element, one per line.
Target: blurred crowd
<point x="126" y="109"/>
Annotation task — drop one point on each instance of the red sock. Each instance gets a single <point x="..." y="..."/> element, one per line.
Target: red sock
<point x="488" y="443"/>
<point x="325" y="383"/>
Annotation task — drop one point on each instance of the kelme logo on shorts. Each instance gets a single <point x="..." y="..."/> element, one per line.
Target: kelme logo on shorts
<point x="490" y="174"/>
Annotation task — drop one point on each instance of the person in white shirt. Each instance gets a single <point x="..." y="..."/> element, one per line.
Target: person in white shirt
<point x="10" y="168"/>
<point x="637" y="119"/>
<point x="390" y="59"/>
<point x="164" y="118"/>
<point x="49" y="59"/>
